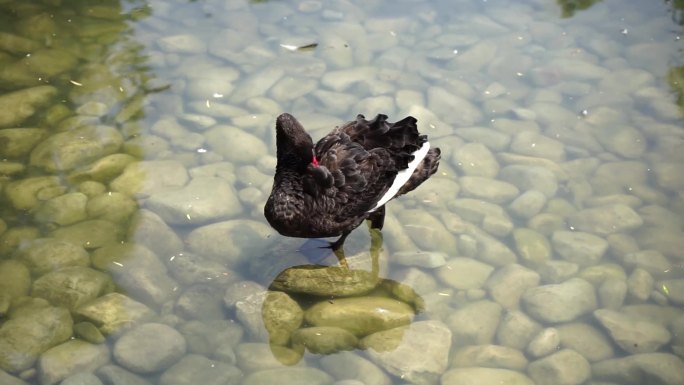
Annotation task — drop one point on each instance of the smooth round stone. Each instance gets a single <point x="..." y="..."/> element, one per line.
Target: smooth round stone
<point x="531" y="178"/>
<point x="18" y="142"/>
<point x="103" y="169"/>
<point x="229" y="240"/>
<point x="566" y="367"/>
<point x="475" y="323"/>
<point x="15" y="278"/>
<point x="148" y="229"/>
<point x="479" y="376"/>
<point x="114" y="312"/>
<point x="534" y="144"/>
<point x="443" y="103"/>
<point x="586" y="340"/>
<point x="88" y="332"/>
<point x="293" y="376"/>
<point x="90" y="234"/>
<point x="426" y="259"/>
<point x="640" y="284"/>
<point x="544" y="343"/>
<point x="346" y="366"/>
<point x="183" y="44"/>
<point x="464" y="273"/>
<point x="203" y="200"/>
<point x="517" y="330"/>
<point x="476" y="160"/>
<point x="81" y="379"/>
<point x="63" y="210"/>
<point x="72" y="287"/>
<point x="606" y="220"/>
<point x="147" y="177"/>
<point x="489" y="356"/>
<point x="491" y="250"/>
<point x="29" y="193"/>
<point x="69" y="358"/>
<point x="508" y="283"/>
<point x="67" y="150"/>
<point x="206" y="336"/>
<point x="578" y="247"/>
<point x="188" y="268"/>
<point x="612" y="293"/>
<point x="195" y="369"/>
<point x="116" y="375"/>
<point x="658" y="368"/>
<point x="360" y="316"/>
<point x="527" y="204"/>
<point x="631" y="333"/>
<point x="333" y="281"/>
<point x="427" y="231"/>
<point x="253" y="357"/>
<point x="200" y="301"/>
<point x="282" y="316"/>
<point x="652" y="261"/>
<point x="258" y="83"/>
<point x="112" y="206"/>
<point x="222" y="138"/>
<point x="561" y="302"/>
<point x="488" y="189"/>
<point x="533" y="247"/>
<point x="35" y="327"/>
<point x="323" y="339"/>
<point x="149" y="348"/>
<point x="493" y="139"/>
<point x="673" y="289"/>
<point x="19" y="105"/>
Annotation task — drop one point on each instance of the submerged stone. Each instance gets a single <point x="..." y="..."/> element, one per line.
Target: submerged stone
<point x="17" y="106"/>
<point x="114" y="312"/>
<point x="282" y="315"/>
<point x="18" y="142"/>
<point x="71" y="287"/>
<point x="69" y="358"/>
<point x="323" y="339"/>
<point x="362" y="315"/>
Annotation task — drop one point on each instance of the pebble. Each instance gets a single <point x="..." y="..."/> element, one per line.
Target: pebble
<point x="544" y="343"/>
<point x="560" y="302"/>
<point x="490" y="356"/>
<point x="532" y="246"/>
<point x="586" y="340"/>
<point x="478" y="375"/>
<point x="149" y="348"/>
<point x="182" y="44"/>
<point x="508" y="283"/>
<point x="531" y="178"/>
<point x="565" y="367"/>
<point x="491" y="190"/>
<point x="660" y="368"/>
<point x="528" y="204"/>
<point x="612" y="293"/>
<point x="533" y="144"/>
<point x="69" y="358"/>
<point x="464" y="273"/>
<point x="197" y="369"/>
<point x="606" y="220"/>
<point x="578" y="247"/>
<point x="253" y="357"/>
<point x="475" y="159"/>
<point x="632" y="334"/>
<point x="475" y="323"/>
<point x="289" y="375"/>
<point x="116" y="375"/>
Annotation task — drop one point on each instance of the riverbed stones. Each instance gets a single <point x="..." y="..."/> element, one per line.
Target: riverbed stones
<point x="633" y="334"/>
<point x="28" y="193"/>
<point x="464" y="273"/>
<point x="361" y="316"/>
<point x="296" y="375"/>
<point x="333" y="281"/>
<point x="659" y="368"/>
<point x="475" y="159"/>
<point x="203" y="200"/>
<point x="474" y="323"/>
<point x="531" y="178"/>
<point x="197" y="369"/>
<point x="114" y="312"/>
<point x="489" y="356"/>
<point x="582" y="248"/>
<point x="144" y="178"/>
<point x="149" y="348"/>
<point x="565" y="367"/>
<point x="491" y="190"/>
<point x="421" y="355"/>
<point x="67" y="150"/>
<point x="33" y="327"/>
<point x="282" y="315"/>
<point x="70" y="358"/>
<point x="560" y="302"/>
<point x="15" y="279"/>
<point x="479" y="375"/>
<point x="533" y="247"/>
<point x="508" y="283"/>
<point x="229" y="241"/>
<point x="19" y="105"/>
<point x="63" y="210"/>
<point x="253" y="356"/>
<point x="15" y="143"/>
<point x="606" y="220"/>
<point x="323" y="339"/>
<point x="72" y="287"/>
<point x="586" y="340"/>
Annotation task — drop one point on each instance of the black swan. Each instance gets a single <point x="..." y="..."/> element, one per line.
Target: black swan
<point x="330" y="188"/>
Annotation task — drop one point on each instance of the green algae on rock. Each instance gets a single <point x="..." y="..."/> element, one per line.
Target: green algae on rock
<point x="17" y="106"/>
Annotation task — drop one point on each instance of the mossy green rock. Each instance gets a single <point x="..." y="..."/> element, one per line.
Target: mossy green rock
<point x="384" y="340"/>
<point x="17" y="44"/>
<point x="281" y="315"/>
<point x="44" y="255"/>
<point x="326" y="281"/>
<point x="112" y="206"/>
<point x="323" y="339"/>
<point x="114" y="312"/>
<point x="90" y="234"/>
<point x="15" y="279"/>
<point x="104" y="169"/>
<point x="17" y="106"/>
<point x="72" y="287"/>
<point x="69" y="358"/>
<point x="360" y="316"/>
<point x="70" y="149"/>
<point x="26" y="194"/>
<point x="479" y="376"/>
<point x="18" y="142"/>
<point x="33" y="327"/>
<point x="63" y="210"/>
<point x="33" y="69"/>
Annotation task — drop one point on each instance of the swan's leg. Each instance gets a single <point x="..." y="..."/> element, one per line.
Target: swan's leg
<point x="377" y="218"/>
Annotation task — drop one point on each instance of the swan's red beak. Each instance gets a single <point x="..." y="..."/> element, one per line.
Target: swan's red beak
<point x="314" y="161"/>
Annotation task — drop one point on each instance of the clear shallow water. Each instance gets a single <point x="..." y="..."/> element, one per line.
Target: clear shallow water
<point x="560" y="133"/>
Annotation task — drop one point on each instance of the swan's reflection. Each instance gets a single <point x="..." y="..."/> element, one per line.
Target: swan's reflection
<point x="327" y="309"/>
